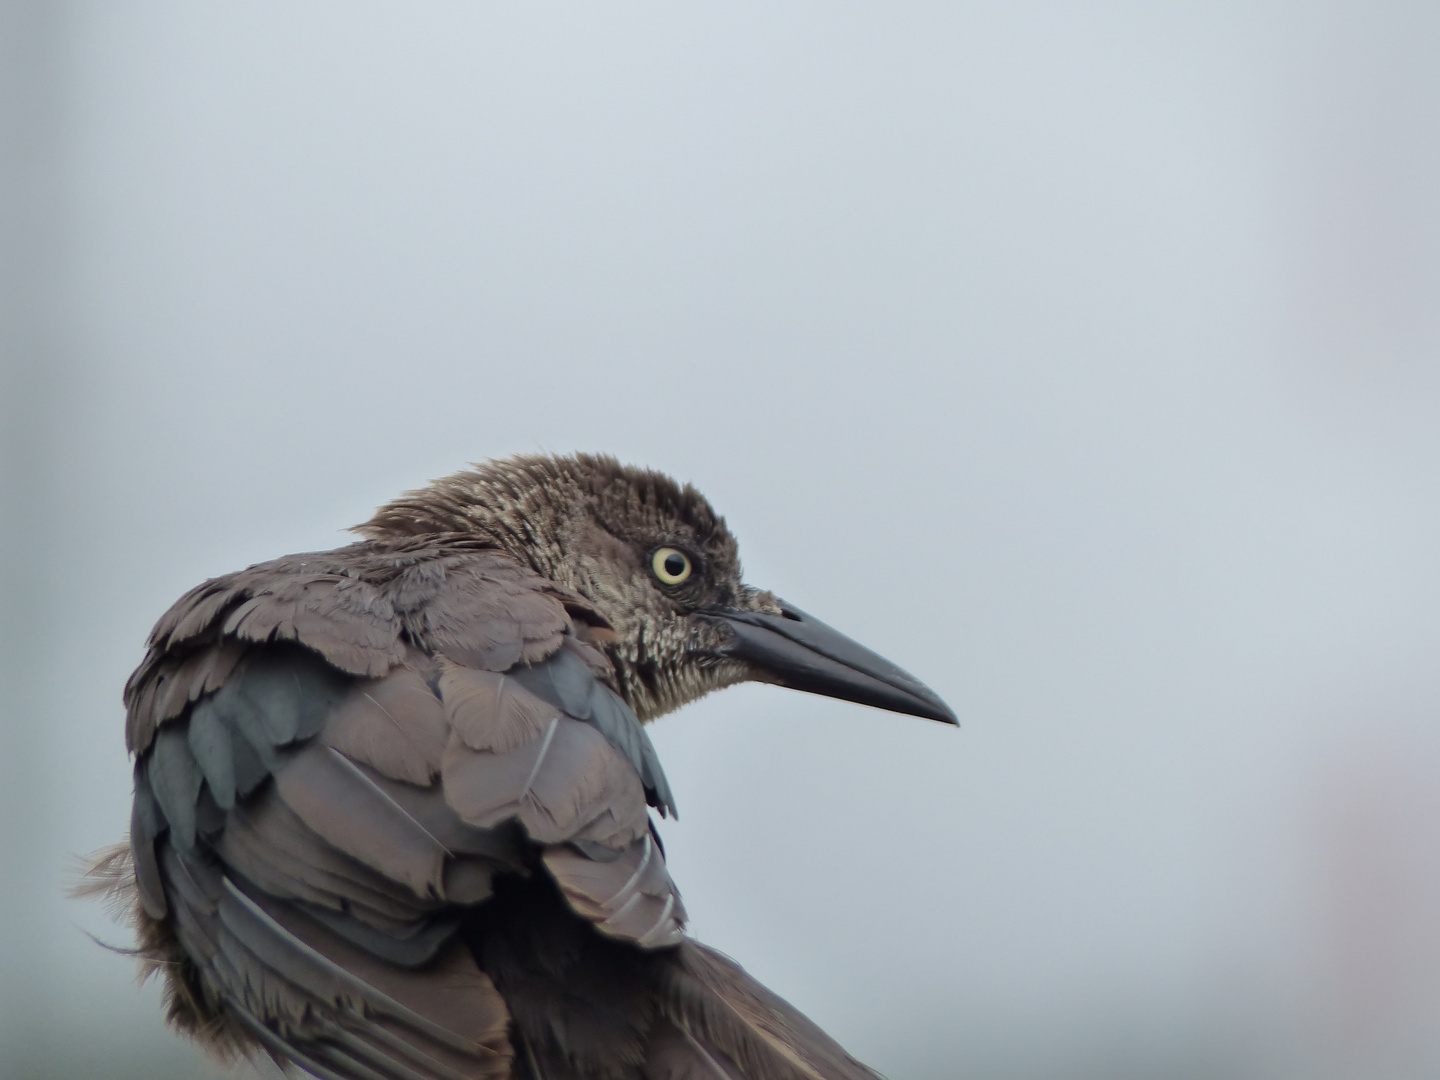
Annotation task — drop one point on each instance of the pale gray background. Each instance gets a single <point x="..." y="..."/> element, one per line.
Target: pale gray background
<point x="1080" y="357"/>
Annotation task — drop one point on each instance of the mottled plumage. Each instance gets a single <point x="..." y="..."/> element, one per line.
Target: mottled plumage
<point x="392" y="801"/>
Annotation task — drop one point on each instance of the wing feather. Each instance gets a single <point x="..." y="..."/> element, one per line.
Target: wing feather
<point x="149" y="886"/>
<point x="212" y="746"/>
<point x="347" y="809"/>
<point x="309" y="995"/>
<point x="568" y="784"/>
<point x="629" y="897"/>
<point x="195" y="613"/>
<point x="345" y="620"/>
<point x="568" y="682"/>
<point x="491" y="614"/>
<point x="338" y="754"/>
<point x="552" y="747"/>
<point x="268" y="843"/>
<point x="175" y="778"/>
<point x="395" y="725"/>
<point x="675" y="1054"/>
<point x="179" y="682"/>
<point x="729" y="1013"/>
<point x="491" y="711"/>
<point x="436" y="1006"/>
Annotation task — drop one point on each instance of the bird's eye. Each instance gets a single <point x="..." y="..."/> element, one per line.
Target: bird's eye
<point x="671" y="567"/>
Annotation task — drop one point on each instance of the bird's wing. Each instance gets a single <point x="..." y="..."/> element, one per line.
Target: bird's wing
<point x="335" y="760"/>
<point x="720" y="1024"/>
<point x="553" y="747"/>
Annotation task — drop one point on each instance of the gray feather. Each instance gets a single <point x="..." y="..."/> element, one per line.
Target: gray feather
<point x="311" y="970"/>
<point x="291" y="691"/>
<point x="250" y="767"/>
<point x="270" y="846"/>
<point x="610" y="716"/>
<point x="238" y="714"/>
<point x="210" y="743"/>
<point x="566" y="681"/>
<point x="378" y="1036"/>
<point x="147" y="870"/>
<point x="209" y="818"/>
<point x="175" y="779"/>
<point x="412" y="951"/>
<point x="349" y="1053"/>
<point x="278" y="1046"/>
<point x="146" y="808"/>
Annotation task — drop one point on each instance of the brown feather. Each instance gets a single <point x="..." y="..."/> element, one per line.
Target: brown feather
<point x="712" y="997"/>
<point x="491" y="614"/>
<point x="674" y="1054"/>
<point x="305" y="992"/>
<point x="490" y="711"/>
<point x="629" y="897"/>
<point x="349" y="810"/>
<point x="346" y="621"/>
<point x="196" y="612"/>
<point x="271" y="845"/>
<point x="567" y="784"/>
<point x="395" y="725"/>
<point x="164" y="687"/>
<point x="503" y="846"/>
<point x="351" y="765"/>
<point x="200" y="673"/>
<point x="453" y="1003"/>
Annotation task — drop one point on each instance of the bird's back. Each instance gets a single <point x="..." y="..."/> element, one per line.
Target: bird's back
<point x="392" y="821"/>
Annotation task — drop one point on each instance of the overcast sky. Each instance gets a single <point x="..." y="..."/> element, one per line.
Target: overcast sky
<point x="1080" y="358"/>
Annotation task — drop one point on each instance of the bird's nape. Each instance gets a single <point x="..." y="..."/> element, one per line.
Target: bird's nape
<point x="799" y="651"/>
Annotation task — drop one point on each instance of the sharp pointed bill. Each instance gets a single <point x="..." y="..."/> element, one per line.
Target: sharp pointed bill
<point x="799" y="651"/>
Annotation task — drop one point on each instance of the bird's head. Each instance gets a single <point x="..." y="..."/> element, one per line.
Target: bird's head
<point x="660" y="565"/>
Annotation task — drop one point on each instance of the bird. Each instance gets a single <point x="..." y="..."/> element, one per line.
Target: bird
<point x="392" y="814"/>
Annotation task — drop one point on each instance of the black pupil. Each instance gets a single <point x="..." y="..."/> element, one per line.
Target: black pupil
<point x="675" y="564"/>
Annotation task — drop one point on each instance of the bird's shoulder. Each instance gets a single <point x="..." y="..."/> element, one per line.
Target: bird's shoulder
<point x="358" y="607"/>
<point x="338" y="753"/>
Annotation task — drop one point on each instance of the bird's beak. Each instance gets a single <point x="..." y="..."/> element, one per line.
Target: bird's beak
<point x="799" y="651"/>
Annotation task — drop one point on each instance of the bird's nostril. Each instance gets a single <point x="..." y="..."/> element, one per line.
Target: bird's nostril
<point x="794" y="616"/>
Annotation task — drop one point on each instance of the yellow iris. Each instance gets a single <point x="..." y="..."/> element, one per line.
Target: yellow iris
<point x="672" y="567"/>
